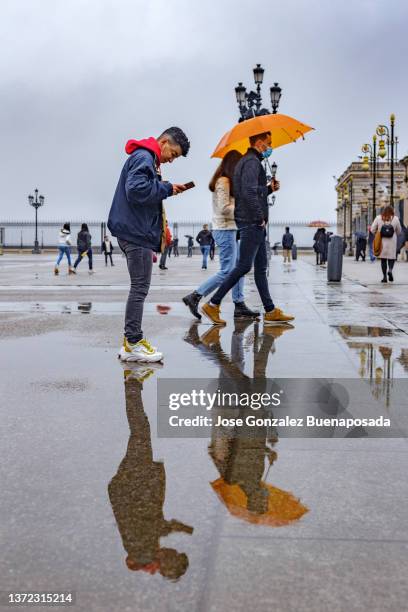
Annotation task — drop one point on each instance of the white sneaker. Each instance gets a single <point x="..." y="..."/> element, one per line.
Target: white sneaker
<point x="141" y="351"/>
<point x="91" y="272"/>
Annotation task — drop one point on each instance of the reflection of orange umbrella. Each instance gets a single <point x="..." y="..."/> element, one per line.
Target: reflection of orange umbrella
<point x="318" y="224"/>
<point x="284" y="130"/>
<point x="283" y="507"/>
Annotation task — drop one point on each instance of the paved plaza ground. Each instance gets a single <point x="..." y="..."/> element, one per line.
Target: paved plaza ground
<point x="68" y="456"/>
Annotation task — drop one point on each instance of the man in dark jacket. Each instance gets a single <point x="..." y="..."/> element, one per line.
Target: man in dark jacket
<point x="136" y="218"/>
<point x="251" y="216"/>
<point x="204" y="239"/>
<point x="287" y="244"/>
<point x="84" y="247"/>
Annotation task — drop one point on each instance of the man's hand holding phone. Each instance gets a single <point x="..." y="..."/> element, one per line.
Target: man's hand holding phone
<point x="275" y="185"/>
<point x="177" y="188"/>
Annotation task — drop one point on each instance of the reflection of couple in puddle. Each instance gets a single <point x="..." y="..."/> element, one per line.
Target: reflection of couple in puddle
<point x="137" y="492"/>
<point x="239" y="452"/>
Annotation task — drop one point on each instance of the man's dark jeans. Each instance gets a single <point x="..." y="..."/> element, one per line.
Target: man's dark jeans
<point x="252" y="252"/>
<point x="81" y="255"/>
<point x="140" y="263"/>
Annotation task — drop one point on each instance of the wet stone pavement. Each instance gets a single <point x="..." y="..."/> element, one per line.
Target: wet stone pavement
<point x="93" y="501"/>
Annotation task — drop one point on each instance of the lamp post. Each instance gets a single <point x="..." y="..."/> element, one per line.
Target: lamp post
<point x="250" y="103"/>
<point x="370" y="155"/>
<point x="392" y="141"/>
<point x="351" y="216"/>
<point x="36" y="201"/>
<point x="344" y="212"/>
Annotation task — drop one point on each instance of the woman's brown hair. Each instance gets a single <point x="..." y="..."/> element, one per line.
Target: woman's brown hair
<point x="226" y="168"/>
<point x="388" y="213"/>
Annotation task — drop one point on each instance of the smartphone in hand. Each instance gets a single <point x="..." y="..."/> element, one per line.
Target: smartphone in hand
<point x="189" y="185"/>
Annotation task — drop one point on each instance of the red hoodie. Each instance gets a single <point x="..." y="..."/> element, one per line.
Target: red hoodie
<point x="150" y="144"/>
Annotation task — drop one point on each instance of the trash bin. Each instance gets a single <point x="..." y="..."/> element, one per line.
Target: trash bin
<point x="335" y="259"/>
<point x="294" y="251"/>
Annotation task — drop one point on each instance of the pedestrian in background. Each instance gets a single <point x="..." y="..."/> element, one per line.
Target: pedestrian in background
<point x="361" y="246"/>
<point x="204" y="239"/>
<point x="84" y="246"/>
<point x="225" y="236"/>
<point x="320" y="246"/>
<point x="175" y="247"/>
<point x="190" y="245"/>
<point x="389" y="227"/>
<point x="287" y="244"/>
<point x="64" y="248"/>
<point x="107" y="250"/>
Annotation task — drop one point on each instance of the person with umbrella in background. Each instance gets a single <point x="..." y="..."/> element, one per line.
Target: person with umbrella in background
<point x="190" y="244"/>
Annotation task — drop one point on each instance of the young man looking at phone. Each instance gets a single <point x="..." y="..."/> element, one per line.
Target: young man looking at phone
<point x="136" y="219"/>
<point x="251" y="216"/>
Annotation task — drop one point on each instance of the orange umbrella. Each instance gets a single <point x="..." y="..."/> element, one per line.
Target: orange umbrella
<point x="318" y="224"/>
<point x="283" y="507"/>
<point x="284" y="130"/>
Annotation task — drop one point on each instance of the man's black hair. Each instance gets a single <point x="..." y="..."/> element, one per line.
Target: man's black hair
<point x="287" y="229"/>
<point x="263" y="136"/>
<point x="178" y="137"/>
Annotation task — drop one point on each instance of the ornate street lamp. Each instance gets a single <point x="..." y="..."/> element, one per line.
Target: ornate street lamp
<point x="250" y="103"/>
<point x="351" y="216"/>
<point x="275" y="93"/>
<point x="392" y="141"/>
<point x="36" y="201"/>
<point x="370" y="156"/>
<point x="345" y="198"/>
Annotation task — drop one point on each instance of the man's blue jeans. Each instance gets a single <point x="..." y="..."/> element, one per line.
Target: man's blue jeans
<point x="205" y="250"/>
<point x="64" y="250"/>
<point x="252" y="252"/>
<point x="228" y="247"/>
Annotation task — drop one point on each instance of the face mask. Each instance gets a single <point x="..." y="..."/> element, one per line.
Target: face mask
<point x="267" y="153"/>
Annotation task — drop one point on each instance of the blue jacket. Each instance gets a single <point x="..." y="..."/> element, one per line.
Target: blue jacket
<point x="136" y="211"/>
<point x="250" y="190"/>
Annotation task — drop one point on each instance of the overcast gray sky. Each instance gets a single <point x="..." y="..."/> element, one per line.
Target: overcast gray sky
<point x="80" y="77"/>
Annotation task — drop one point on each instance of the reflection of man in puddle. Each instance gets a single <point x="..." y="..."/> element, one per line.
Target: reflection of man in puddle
<point x="137" y="492"/>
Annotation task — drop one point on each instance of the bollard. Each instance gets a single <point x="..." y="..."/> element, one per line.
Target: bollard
<point x="335" y="259"/>
<point x="294" y="252"/>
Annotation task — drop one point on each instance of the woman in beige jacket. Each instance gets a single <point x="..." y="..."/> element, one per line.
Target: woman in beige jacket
<point x="224" y="231"/>
<point x="389" y="227"/>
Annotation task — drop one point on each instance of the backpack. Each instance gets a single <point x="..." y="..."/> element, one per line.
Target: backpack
<point x="387" y="230"/>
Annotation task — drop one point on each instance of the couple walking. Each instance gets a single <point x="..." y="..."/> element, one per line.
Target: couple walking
<point x="137" y="219"/>
<point x="83" y="245"/>
<point x="240" y="204"/>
